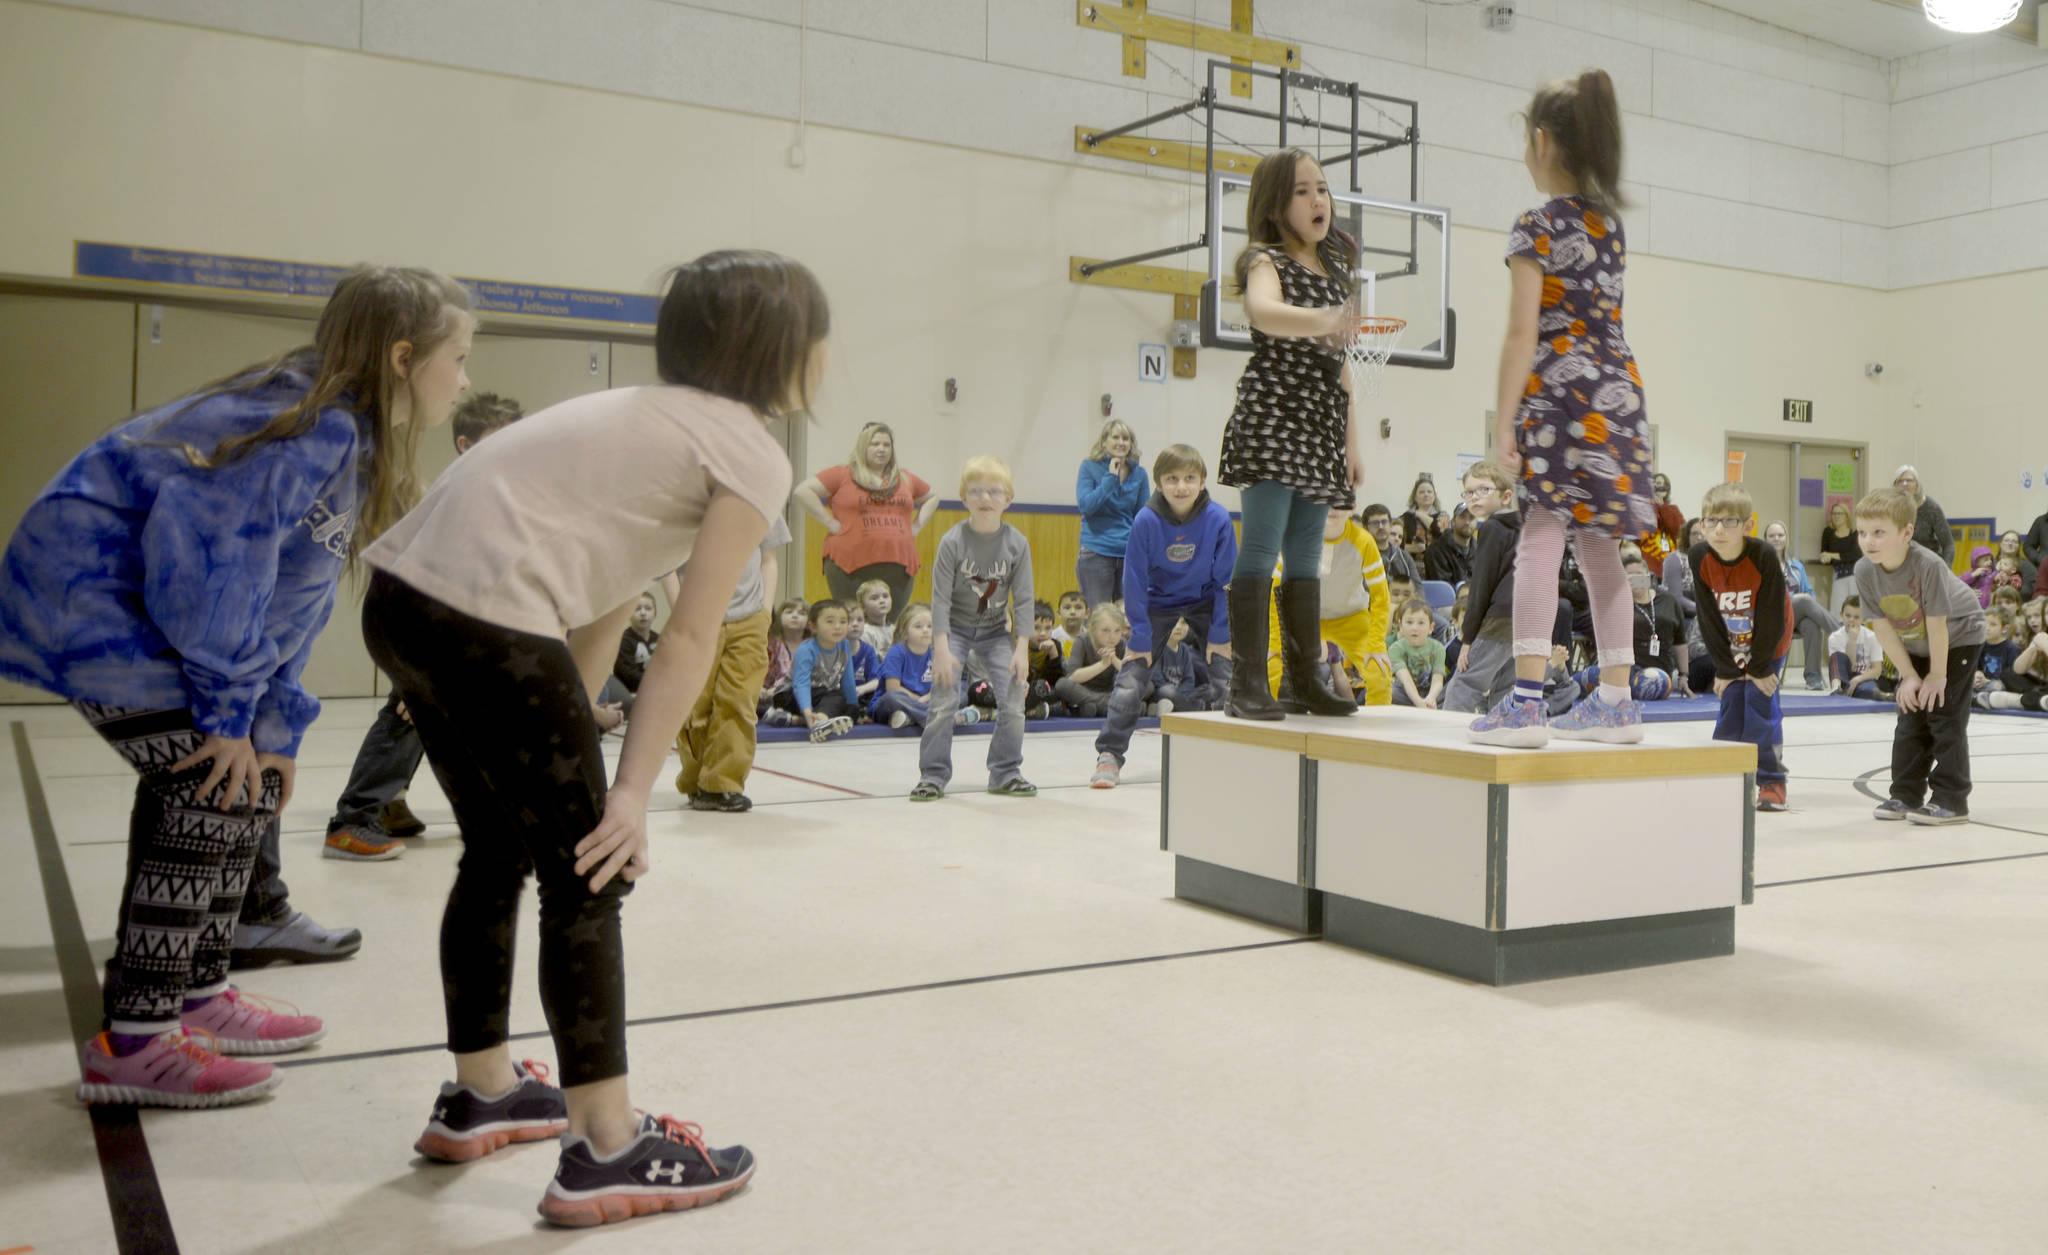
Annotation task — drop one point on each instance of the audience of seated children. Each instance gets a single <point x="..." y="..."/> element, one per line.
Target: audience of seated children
<point x="981" y="596"/>
<point x="2025" y="683"/>
<point x="1400" y="592"/>
<point x="1418" y="658"/>
<point x="823" y="686"/>
<point x="873" y="605"/>
<point x="1932" y="630"/>
<point x="1745" y="618"/>
<point x="1855" y="659"/>
<point x="1486" y="665"/>
<point x="1093" y="662"/>
<point x="792" y="627"/>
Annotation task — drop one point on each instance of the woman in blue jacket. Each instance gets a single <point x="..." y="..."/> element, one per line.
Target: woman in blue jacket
<point x="1111" y="488"/>
<point x="170" y="582"/>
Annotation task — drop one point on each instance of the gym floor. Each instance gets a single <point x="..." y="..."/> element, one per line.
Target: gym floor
<point x="985" y="1025"/>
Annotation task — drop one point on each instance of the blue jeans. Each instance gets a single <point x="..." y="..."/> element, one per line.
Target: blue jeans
<point x="1101" y="576"/>
<point x="1134" y="679"/>
<point x="1843" y="670"/>
<point x="996" y="649"/>
<point x="1279" y="522"/>
<point x="385" y="764"/>
<point x="1747" y="715"/>
<point x="887" y="704"/>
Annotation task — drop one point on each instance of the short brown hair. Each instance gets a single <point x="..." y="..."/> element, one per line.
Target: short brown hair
<point x="482" y="413"/>
<point x="1731" y="497"/>
<point x="1893" y="505"/>
<point x="1179" y="457"/>
<point x="740" y="324"/>
<point x="1414" y="605"/>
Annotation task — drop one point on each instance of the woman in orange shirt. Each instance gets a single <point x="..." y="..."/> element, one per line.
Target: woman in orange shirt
<point x="872" y="512"/>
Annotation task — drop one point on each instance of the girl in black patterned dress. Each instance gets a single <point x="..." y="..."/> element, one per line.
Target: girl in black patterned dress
<point x="1291" y="446"/>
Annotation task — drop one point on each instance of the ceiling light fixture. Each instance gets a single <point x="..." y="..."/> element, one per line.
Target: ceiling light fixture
<point x="1970" y="17"/>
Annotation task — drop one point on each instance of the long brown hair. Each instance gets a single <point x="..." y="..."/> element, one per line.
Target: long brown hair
<point x="372" y="309"/>
<point x="1266" y="208"/>
<point x="1581" y="116"/>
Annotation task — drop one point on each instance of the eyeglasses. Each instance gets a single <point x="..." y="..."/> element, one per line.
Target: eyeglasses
<point x="1719" y="522"/>
<point x="1481" y="491"/>
<point x="986" y="492"/>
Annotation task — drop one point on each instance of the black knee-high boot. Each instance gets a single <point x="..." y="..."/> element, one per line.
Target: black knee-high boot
<point x="1301" y="648"/>
<point x="1250" y="600"/>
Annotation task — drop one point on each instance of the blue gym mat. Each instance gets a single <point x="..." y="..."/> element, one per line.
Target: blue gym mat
<point x="1681" y="709"/>
<point x="878" y="731"/>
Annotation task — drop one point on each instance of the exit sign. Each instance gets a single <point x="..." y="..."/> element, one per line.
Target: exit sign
<point x="1798" y="411"/>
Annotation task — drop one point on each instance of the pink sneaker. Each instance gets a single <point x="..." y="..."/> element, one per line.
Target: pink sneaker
<point x="173" y="1070"/>
<point x="245" y="1024"/>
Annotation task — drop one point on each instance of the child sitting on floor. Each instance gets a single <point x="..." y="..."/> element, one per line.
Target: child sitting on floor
<point x="1855" y="659"/>
<point x="1418" y="658"/>
<point x="872" y="604"/>
<point x="1180" y="680"/>
<point x="1092" y="666"/>
<point x="792" y="627"/>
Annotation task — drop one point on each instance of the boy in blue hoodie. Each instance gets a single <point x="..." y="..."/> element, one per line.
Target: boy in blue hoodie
<point x="1176" y="566"/>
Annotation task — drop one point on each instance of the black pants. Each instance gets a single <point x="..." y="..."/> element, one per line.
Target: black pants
<point x="508" y="729"/>
<point x="1932" y="747"/>
<point x="389" y="755"/>
<point x="830" y="703"/>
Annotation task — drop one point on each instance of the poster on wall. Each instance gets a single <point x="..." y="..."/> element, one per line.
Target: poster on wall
<point x="1736" y="457"/>
<point x="1841" y="477"/>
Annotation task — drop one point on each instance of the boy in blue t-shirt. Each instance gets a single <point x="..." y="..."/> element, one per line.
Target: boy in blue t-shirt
<point x="823" y="688"/>
<point x="1176" y="566"/>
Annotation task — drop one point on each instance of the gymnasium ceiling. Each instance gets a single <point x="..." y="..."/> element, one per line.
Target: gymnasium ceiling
<point x="1878" y="28"/>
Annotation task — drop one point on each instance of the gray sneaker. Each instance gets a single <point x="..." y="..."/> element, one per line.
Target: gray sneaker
<point x="1891" y="808"/>
<point x="296" y="939"/>
<point x="1107" y="770"/>
<point x="1932" y="815"/>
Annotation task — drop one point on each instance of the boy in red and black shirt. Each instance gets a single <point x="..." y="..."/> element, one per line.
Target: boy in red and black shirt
<point x="1745" y="616"/>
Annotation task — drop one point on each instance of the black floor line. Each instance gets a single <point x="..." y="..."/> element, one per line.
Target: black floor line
<point x="1917" y="867"/>
<point x="142" y="1223"/>
<point x="828" y="999"/>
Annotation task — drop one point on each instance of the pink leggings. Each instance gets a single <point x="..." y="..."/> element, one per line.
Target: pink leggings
<point x="1537" y="559"/>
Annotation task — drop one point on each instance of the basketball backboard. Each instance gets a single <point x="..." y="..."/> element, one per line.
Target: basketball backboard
<point x="1404" y="269"/>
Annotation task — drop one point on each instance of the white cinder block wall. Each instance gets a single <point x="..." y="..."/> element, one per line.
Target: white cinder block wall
<point x="1750" y="147"/>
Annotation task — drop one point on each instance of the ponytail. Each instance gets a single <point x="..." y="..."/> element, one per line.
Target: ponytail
<point x="1583" y="118"/>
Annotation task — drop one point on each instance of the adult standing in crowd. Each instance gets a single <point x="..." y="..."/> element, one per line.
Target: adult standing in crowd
<point x="1110" y="489"/>
<point x="1449" y="556"/>
<point x="872" y="511"/>
<point x="1841" y="549"/>
<point x="1930" y="525"/>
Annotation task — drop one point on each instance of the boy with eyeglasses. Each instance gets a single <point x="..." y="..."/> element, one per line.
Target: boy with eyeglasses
<point x="1745" y="616"/>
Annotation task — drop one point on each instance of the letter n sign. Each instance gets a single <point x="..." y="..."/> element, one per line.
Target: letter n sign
<point x="1152" y="359"/>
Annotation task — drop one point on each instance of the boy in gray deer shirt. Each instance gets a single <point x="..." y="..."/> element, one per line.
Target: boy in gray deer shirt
<point x="981" y="585"/>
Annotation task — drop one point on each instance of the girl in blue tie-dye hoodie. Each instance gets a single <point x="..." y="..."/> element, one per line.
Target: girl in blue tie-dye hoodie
<point x="170" y="582"/>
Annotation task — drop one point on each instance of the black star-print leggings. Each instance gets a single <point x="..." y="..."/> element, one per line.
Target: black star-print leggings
<point x="508" y="729"/>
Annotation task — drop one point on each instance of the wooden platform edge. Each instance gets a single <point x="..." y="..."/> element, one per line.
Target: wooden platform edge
<point x="1275" y="736"/>
<point x="1545" y="766"/>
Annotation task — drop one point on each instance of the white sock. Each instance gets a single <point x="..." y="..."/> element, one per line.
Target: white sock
<point x="1613" y="694"/>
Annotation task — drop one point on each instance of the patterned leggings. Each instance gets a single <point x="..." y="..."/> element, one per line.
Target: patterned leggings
<point x="1538" y="556"/>
<point x="507" y="727"/>
<point x="188" y="867"/>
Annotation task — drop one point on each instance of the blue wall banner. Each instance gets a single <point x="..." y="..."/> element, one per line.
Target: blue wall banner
<point x="226" y="272"/>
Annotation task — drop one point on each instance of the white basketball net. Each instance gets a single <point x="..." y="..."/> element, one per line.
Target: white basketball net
<point x="1369" y="351"/>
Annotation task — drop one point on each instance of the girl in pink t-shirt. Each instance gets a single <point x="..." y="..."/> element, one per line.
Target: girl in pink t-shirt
<point x="872" y="513"/>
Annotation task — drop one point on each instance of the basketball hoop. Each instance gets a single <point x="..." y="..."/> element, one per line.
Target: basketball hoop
<point x="1369" y="350"/>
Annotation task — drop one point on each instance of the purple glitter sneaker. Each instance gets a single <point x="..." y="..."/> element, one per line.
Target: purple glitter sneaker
<point x="1513" y="723"/>
<point x="1594" y="720"/>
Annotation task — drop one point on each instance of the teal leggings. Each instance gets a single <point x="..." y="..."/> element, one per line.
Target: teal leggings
<point x="1279" y="522"/>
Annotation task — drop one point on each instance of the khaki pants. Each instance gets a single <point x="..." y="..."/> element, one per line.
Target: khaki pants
<point x="717" y="741"/>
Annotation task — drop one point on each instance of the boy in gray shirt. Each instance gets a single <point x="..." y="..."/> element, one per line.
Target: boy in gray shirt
<point x="1931" y="626"/>
<point x="981" y="578"/>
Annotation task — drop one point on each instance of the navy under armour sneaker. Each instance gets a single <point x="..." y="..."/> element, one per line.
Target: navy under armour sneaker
<point x="467" y="1125"/>
<point x="667" y="1168"/>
